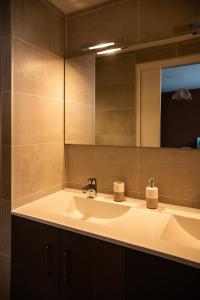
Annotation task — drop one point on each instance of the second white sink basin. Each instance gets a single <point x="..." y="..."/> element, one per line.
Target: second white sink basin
<point x="182" y="230"/>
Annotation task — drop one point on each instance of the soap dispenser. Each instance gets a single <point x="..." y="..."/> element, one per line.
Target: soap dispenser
<point x="151" y="194"/>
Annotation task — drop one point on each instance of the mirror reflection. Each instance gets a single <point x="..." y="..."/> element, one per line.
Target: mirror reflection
<point x="121" y="100"/>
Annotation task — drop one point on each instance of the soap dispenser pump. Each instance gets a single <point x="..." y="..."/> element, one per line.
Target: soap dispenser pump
<point x="151" y="194"/>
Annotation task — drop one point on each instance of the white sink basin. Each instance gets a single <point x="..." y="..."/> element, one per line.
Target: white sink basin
<point x="183" y="230"/>
<point x="92" y="210"/>
<point x="122" y="220"/>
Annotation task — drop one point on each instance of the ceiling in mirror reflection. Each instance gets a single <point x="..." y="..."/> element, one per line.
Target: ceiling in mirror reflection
<point x="182" y="77"/>
<point x="70" y="6"/>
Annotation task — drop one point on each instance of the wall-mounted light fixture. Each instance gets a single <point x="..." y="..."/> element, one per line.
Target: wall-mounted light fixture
<point x="109" y="51"/>
<point x="99" y="46"/>
<point x="182" y="94"/>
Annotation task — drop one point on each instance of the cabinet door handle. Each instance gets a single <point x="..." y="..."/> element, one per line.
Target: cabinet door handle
<point x="46" y="260"/>
<point x="67" y="267"/>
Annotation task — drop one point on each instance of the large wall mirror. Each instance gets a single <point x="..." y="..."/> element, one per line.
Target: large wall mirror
<point x="118" y="100"/>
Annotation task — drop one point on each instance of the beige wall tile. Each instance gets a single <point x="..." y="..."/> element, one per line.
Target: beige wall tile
<point x="163" y="19"/>
<point x="79" y="122"/>
<point x="118" y="140"/>
<point x="37" y="72"/>
<point x="87" y="61"/>
<point x="80" y="83"/>
<point x="116" y="96"/>
<point x="37" y="195"/>
<point x="156" y="53"/>
<point x="115" y="69"/>
<point x="6" y="173"/>
<point x="4" y="277"/>
<point x="37" y="167"/>
<point x="117" y="22"/>
<point x="175" y="172"/>
<point x="105" y="163"/>
<point x="5" y="228"/>
<point x="188" y="47"/>
<point x="115" y="122"/>
<point x="36" y="119"/>
<point x="38" y="24"/>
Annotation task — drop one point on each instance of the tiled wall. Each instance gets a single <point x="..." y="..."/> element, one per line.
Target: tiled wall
<point x="38" y="164"/>
<point x="131" y="22"/>
<point x="80" y="100"/>
<point x="32" y="84"/>
<point x="115" y="118"/>
<point x="175" y="171"/>
<point x="5" y="149"/>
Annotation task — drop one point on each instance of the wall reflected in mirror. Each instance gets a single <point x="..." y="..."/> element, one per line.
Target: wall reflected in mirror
<point x="102" y="105"/>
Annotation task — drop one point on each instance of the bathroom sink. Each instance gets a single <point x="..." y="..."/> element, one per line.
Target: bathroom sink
<point x="183" y="230"/>
<point x="122" y="220"/>
<point x="92" y="210"/>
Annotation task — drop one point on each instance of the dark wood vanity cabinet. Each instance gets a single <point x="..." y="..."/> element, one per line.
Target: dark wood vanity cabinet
<point x="34" y="260"/>
<point x="50" y="263"/>
<point x="153" y="277"/>
<point x="90" y="268"/>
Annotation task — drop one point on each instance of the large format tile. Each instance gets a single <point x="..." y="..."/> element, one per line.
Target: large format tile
<point x="87" y="61"/>
<point x="37" y="72"/>
<point x="37" y="167"/>
<point x="6" y="173"/>
<point x="157" y="53"/>
<point x="80" y="83"/>
<point x="115" y="140"/>
<point x="38" y="24"/>
<point x="115" y="122"/>
<point x="116" y="96"/>
<point x="36" y="119"/>
<point x="107" y="164"/>
<point x="175" y="172"/>
<point x="163" y="19"/>
<point x="188" y="47"/>
<point x="115" y="22"/>
<point x="79" y="123"/>
<point x="115" y="69"/>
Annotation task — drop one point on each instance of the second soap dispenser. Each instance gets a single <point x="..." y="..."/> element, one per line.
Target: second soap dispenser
<point x="151" y="194"/>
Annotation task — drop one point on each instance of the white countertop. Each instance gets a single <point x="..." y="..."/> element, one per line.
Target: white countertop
<point x="170" y="231"/>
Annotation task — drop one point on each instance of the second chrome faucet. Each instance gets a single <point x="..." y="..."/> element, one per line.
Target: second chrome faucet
<point x="91" y="188"/>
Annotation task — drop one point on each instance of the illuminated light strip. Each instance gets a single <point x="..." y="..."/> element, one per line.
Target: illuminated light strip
<point x="104" y="45"/>
<point x="109" y="51"/>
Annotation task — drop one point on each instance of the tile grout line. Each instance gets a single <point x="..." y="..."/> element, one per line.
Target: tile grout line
<point x="39" y="96"/>
<point x="14" y="37"/>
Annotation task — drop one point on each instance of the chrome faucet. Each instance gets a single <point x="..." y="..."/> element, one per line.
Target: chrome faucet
<point x="91" y="188"/>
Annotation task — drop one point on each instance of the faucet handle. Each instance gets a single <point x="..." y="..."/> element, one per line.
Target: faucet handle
<point x="92" y="182"/>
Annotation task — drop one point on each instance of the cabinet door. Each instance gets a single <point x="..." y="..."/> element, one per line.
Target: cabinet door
<point x="108" y="271"/>
<point x="149" y="276"/>
<point x="35" y="260"/>
<point x="75" y="266"/>
<point x="91" y="269"/>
